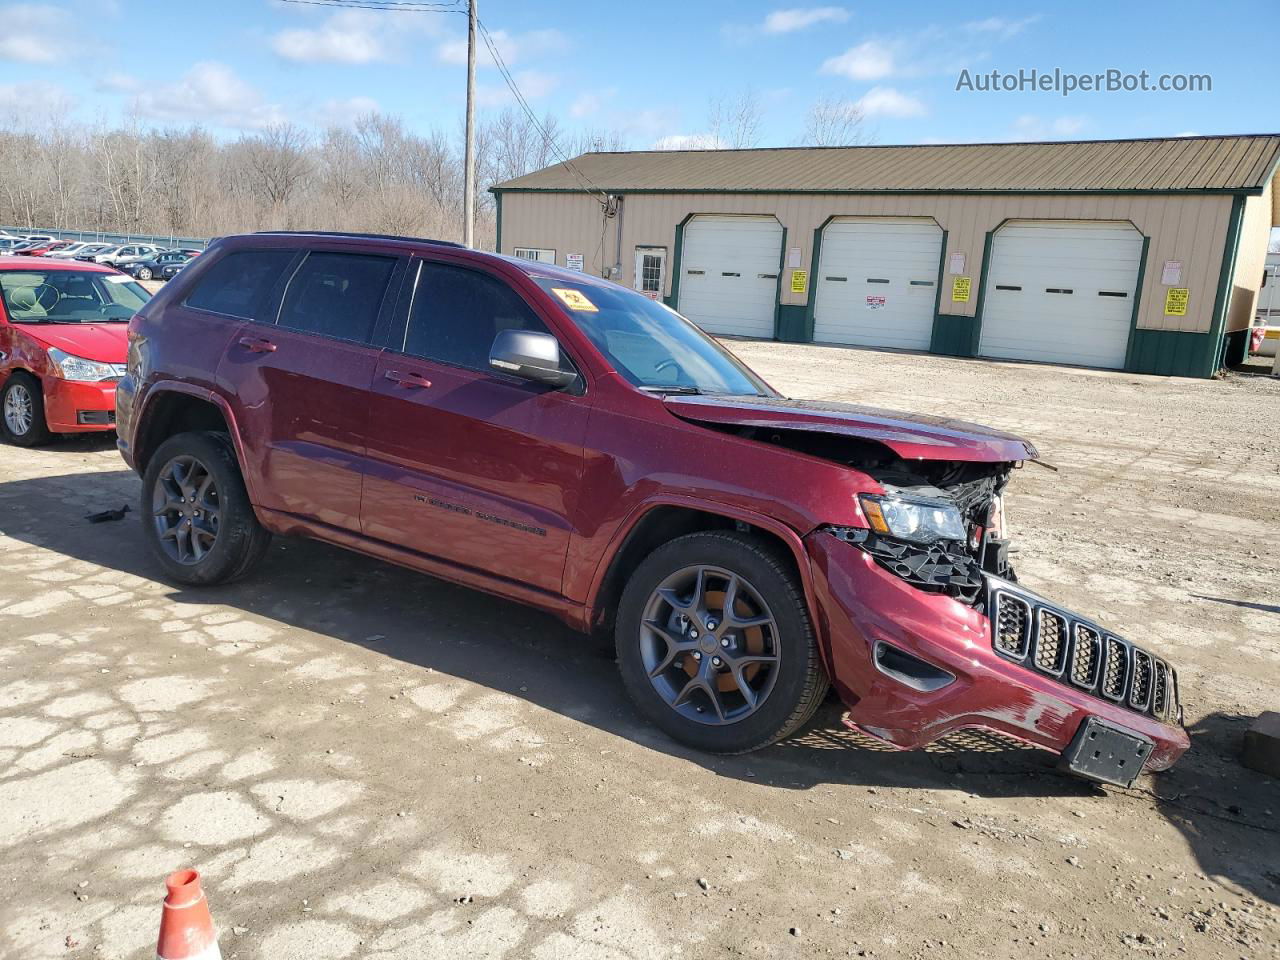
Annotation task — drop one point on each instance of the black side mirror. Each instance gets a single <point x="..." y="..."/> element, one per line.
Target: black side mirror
<point x="531" y="356"/>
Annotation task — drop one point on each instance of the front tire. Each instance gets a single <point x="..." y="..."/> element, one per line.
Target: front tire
<point x="22" y="417"/>
<point x="144" y="273"/>
<point x="715" y="645"/>
<point x="196" y="513"/>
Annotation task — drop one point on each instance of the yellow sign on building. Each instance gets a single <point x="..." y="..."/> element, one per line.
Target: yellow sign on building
<point x="960" y="287"/>
<point x="799" y="281"/>
<point x="1175" y="301"/>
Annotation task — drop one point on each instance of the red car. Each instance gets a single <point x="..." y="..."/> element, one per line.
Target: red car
<point x="44" y="247"/>
<point x="569" y="444"/>
<point x="62" y="346"/>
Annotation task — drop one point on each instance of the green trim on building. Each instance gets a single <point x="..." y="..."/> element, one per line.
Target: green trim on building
<point x="975" y="330"/>
<point x="497" y="228"/>
<point x="791" y="323"/>
<point x="674" y="300"/>
<point x="1222" y="300"/>
<point x="1137" y="302"/>
<point x="815" y="262"/>
<point x="1205" y="191"/>
<point x="1169" y="353"/>
<point x="952" y="335"/>
<point x="777" y="293"/>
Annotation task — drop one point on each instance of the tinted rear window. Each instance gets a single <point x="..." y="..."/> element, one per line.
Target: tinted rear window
<point x="238" y="284"/>
<point x="337" y="295"/>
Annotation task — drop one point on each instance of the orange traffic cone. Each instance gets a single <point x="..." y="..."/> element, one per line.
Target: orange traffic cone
<point x="186" y="928"/>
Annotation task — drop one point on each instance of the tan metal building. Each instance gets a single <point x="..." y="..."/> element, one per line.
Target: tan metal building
<point x="1143" y="255"/>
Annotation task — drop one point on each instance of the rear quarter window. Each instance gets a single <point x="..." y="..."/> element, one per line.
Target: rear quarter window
<point x="239" y="283"/>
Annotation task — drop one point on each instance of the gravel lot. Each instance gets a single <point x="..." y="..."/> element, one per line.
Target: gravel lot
<point x="367" y="762"/>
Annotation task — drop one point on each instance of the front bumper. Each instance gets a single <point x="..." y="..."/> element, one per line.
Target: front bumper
<point x="861" y="606"/>
<point x="73" y="406"/>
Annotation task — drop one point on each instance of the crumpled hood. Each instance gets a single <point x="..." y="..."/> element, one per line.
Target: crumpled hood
<point x="911" y="436"/>
<point x="104" y="342"/>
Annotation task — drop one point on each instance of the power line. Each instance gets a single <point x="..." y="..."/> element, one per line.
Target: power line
<point x="404" y="6"/>
<point x="587" y="184"/>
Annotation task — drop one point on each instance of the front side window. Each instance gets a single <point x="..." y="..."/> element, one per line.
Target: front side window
<point x="238" y="284"/>
<point x="69" y="296"/>
<point x="337" y="295"/>
<point x="650" y="345"/>
<point x="457" y="313"/>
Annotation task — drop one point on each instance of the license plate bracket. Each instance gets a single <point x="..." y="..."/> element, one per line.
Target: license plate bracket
<point x="1109" y="754"/>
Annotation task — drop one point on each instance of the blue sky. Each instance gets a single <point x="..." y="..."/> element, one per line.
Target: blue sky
<point x="236" y="65"/>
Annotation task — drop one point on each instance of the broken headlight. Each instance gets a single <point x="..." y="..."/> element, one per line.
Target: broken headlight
<point x="914" y="519"/>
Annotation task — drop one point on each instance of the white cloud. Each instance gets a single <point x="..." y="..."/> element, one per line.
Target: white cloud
<point x="116" y="82"/>
<point x="513" y="47"/>
<point x="871" y="60"/>
<point x="1189" y="133"/>
<point x="33" y="33"/>
<point x="533" y="84"/>
<point x="212" y="93"/>
<point x="1000" y="27"/>
<point x="33" y="103"/>
<point x="689" y="141"/>
<point x="349" y="36"/>
<point x="590" y="103"/>
<point x="800" y="18"/>
<point x="887" y="102"/>
<point x="1032" y="127"/>
<point x="345" y="112"/>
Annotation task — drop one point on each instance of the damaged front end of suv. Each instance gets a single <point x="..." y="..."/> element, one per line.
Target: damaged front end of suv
<point x="926" y="627"/>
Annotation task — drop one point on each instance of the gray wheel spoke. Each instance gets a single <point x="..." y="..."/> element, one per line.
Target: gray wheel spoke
<point x="676" y="631"/>
<point x="185" y="510"/>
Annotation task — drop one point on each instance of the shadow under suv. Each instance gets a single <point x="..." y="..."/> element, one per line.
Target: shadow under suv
<point x="569" y="444"/>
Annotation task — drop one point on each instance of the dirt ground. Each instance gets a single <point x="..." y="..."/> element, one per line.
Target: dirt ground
<point x="365" y="762"/>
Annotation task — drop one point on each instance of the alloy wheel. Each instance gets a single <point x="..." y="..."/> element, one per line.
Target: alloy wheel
<point x="710" y="645"/>
<point x="186" y="509"/>
<point x="19" y="410"/>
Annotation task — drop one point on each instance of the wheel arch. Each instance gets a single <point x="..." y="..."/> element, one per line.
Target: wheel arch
<point x="173" y="408"/>
<point x="659" y="521"/>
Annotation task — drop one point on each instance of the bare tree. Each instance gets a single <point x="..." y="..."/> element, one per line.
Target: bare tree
<point x="832" y="122"/>
<point x="735" y="121"/>
<point x="278" y="159"/>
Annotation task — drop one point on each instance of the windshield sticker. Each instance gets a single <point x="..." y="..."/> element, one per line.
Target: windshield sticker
<point x="575" y="300"/>
<point x="118" y="278"/>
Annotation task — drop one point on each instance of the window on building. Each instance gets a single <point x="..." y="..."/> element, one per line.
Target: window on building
<point x="457" y="313"/>
<point x="539" y="254"/>
<point x="337" y="295"/>
<point x="238" y="284"/>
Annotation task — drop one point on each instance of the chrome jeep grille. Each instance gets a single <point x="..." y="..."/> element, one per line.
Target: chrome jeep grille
<point x="1028" y="630"/>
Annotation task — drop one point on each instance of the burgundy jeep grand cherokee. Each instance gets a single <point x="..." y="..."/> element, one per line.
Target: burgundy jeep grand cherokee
<point x="569" y="444"/>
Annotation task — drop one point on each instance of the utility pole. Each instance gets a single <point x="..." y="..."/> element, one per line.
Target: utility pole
<point x="469" y="151"/>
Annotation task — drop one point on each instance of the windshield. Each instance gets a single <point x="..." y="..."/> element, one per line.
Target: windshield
<point x="650" y="345"/>
<point x="69" y="296"/>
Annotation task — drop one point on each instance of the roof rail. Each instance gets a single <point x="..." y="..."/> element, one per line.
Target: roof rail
<point x="346" y="233"/>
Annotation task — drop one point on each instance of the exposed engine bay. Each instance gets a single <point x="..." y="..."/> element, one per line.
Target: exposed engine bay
<point x="951" y="566"/>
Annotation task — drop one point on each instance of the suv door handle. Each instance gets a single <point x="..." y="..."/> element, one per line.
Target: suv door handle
<point x="412" y="380"/>
<point x="257" y="345"/>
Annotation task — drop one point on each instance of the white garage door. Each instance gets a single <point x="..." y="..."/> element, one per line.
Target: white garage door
<point x="878" y="282"/>
<point x="1061" y="291"/>
<point x="729" y="274"/>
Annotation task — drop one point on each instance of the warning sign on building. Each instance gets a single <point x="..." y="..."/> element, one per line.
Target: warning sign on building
<point x="1175" y="301"/>
<point x="875" y="303"/>
<point x="960" y="287"/>
<point x="799" y="281"/>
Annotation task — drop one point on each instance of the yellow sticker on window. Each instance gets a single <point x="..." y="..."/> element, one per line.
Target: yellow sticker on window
<point x="575" y="300"/>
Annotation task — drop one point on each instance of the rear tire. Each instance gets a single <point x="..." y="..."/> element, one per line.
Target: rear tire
<point x="752" y="685"/>
<point x="22" y="418"/>
<point x="197" y="518"/>
<point x="144" y="273"/>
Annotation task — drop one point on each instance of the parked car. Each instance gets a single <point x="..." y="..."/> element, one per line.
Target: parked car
<point x="162" y="266"/>
<point x="40" y="248"/>
<point x="572" y="445"/>
<point x="8" y="243"/>
<point x="92" y="250"/>
<point x="70" y="250"/>
<point x="62" y="346"/>
<point x="40" y="236"/>
<point x="126" y="254"/>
